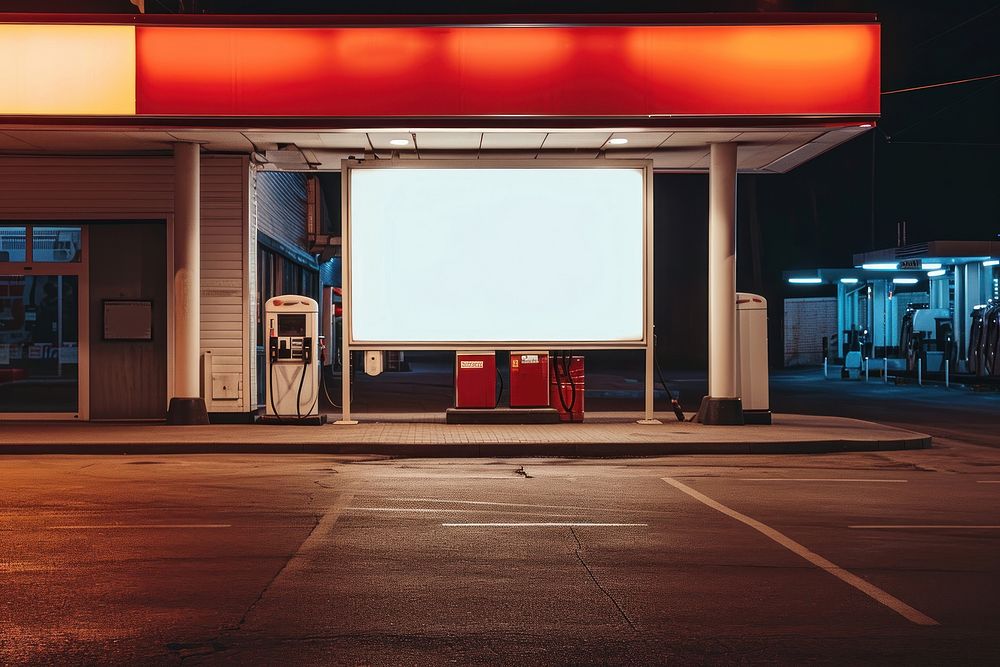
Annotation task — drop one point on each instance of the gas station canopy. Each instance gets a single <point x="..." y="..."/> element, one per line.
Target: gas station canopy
<point x="306" y="92"/>
<point x="912" y="262"/>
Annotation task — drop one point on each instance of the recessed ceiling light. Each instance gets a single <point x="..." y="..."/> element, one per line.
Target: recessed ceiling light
<point x="399" y="142"/>
<point x="618" y="141"/>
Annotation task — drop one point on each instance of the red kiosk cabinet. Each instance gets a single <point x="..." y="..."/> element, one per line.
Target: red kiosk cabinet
<point x="569" y="383"/>
<point x="529" y="379"/>
<point x="475" y="380"/>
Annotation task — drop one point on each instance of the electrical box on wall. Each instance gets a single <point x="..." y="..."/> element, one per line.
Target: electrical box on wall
<point x="225" y="386"/>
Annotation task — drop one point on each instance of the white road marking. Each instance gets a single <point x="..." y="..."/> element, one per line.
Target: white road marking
<point x="924" y="526"/>
<point x="872" y="591"/>
<point x="140" y="525"/>
<point x="547" y="524"/>
<point x="401" y="509"/>
<point x="820" y="479"/>
<point x="487" y="502"/>
<point x="437" y="510"/>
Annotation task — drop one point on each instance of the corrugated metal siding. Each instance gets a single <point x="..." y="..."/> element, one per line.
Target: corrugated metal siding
<point x="281" y="206"/>
<point x="70" y="188"/>
<point x="277" y="209"/>
<point x="224" y="278"/>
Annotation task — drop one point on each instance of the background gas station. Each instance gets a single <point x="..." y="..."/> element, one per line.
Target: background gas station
<point x="927" y="308"/>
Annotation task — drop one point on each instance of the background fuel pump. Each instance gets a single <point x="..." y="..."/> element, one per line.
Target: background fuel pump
<point x="293" y="360"/>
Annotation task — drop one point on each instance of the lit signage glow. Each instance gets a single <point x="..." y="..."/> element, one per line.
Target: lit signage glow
<point x="67" y="70"/>
<point x="442" y="71"/>
<point x="439" y="255"/>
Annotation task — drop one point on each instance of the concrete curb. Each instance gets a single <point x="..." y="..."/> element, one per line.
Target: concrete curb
<point x="473" y="450"/>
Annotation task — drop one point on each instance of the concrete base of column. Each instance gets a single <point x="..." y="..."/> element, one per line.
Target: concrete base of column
<point x="720" y="411"/>
<point x="187" y="412"/>
<point x="759" y="417"/>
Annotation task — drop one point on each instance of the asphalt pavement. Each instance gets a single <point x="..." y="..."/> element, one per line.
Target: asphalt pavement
<point x="862" y="558"/>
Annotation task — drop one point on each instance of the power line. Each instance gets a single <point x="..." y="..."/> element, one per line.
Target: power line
<point x="939" y="85"/>
<point x="956" y="27"/>
<point x="940" y="111"/>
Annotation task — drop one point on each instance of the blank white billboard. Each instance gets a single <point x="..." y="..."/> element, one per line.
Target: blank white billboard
<point x="496" y="255"/>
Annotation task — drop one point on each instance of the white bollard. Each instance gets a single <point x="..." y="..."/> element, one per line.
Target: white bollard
<point x="825" y="376"/>
<point x="885" y="370"/>
<point x="866" y="369"/>
<point x="920" y="372"/>
<point x="946" y="374"/>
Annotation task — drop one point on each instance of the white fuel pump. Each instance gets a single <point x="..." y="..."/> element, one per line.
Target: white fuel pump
<point x="293" y="360"/>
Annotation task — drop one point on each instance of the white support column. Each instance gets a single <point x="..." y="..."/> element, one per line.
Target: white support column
<point x="722" y="405"/>
<point x="346" y="304"/>
<point x="187" y="405"/>
<point x="648" y="417"/>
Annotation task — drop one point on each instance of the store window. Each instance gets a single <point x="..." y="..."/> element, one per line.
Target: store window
<point x="41" y="243"/>
<point x="39" y="343"/>
<point x="56" y="244"/>
<point x="13" y="244"/>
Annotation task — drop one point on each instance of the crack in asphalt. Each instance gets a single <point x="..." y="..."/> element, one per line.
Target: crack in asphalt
<point x="239" y="625"/>
<point x="214" y="645"/>
<point x="579" y="557"/>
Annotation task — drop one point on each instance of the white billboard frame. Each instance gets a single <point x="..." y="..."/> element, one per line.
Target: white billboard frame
<point x="644" y="343"/>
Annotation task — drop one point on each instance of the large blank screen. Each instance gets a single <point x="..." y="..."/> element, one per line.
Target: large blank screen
<point x="484" y="255"/>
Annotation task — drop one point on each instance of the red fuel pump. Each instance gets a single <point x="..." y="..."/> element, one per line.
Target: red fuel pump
<point x="566" y="387"/>
<point x="475" y="380"/>
<point x="529" y="379"/>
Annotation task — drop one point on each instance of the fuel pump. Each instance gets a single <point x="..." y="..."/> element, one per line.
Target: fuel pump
<point x="293" y="360"/>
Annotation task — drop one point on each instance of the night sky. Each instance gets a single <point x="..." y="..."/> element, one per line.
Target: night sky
<point x="931" y="162"/>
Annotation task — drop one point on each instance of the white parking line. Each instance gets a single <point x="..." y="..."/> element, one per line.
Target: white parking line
<point x="924" y="526"/>
<point x="821" y="479"/>
<point x="498" y="504"/>
<point x="449" y="510"/>
<point x="546" y="524"/>
<point x="872" y="591"/>
<point x="127" y="526"/>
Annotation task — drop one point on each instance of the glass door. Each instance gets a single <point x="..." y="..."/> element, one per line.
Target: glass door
<point x="41" y="281"/>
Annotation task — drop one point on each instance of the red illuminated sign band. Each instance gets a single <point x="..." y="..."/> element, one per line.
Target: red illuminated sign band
<point x="455" y="71"/>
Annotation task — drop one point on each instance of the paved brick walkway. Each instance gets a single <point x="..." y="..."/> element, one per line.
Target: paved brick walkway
<point x="426" y="434"/>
